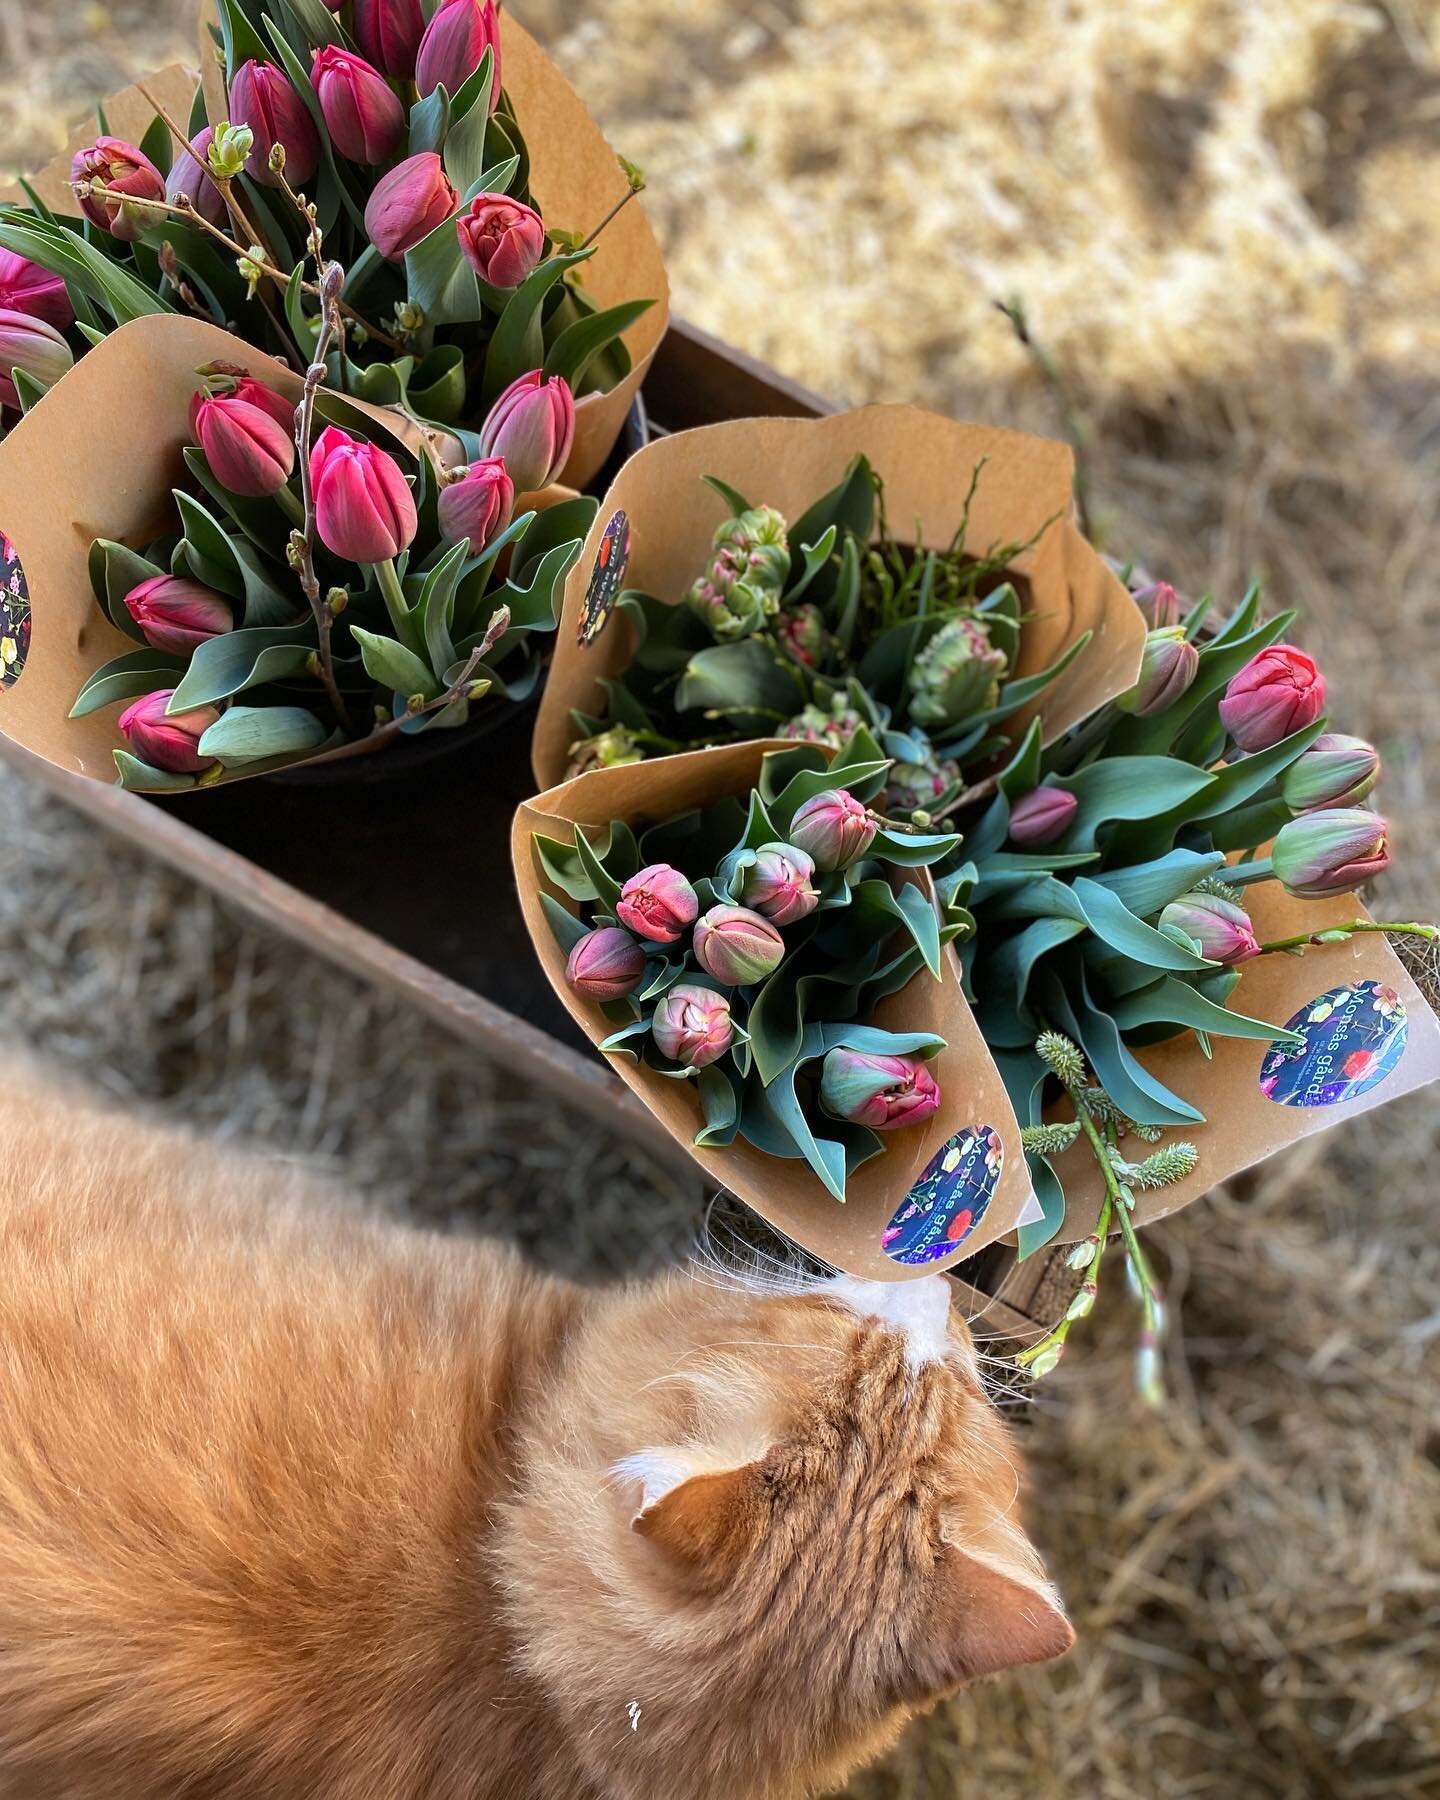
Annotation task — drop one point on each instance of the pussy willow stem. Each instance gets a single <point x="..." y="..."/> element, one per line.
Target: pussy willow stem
<point x="611" y="216"/>
<point x="303" y="539"/>
<point x="1388" y="927"/>
<point x="313" y="238"/>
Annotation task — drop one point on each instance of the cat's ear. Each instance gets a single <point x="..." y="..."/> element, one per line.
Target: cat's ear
<point x="981" y="1620"/>
<point x="706" y="1524"/>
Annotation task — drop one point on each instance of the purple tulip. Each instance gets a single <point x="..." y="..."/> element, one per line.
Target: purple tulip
<point x="262" y="98"/>
<point x="408" y="204"/>
<point x="658" y="904"/>
<point x="605" y="964"/>
<point x="833" y="829"/>
<point x="693" y="1026"/>
<point x="532" y="427"/>
<point x="164" y="740"/>
<point x="737" y="946"/>
<point x="476" y="508"/>
<point x="177" y="614"/>
<point x="778" y="884"/>
<point x="364" y="510"/>
<point x="883" y="1092"/>
<point x="35" y="348"/>
<point x="454" y="46"/>
<point x="1041" y="816"/>
<point x="1323" y="853"/>
<point x="126" y="173"/>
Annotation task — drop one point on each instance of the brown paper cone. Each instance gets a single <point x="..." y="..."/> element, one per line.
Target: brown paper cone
<point x="850" y="1236"/>
<point x="1243" y="1125"/>
<point x="576" y="180"/>
<point x="97" y="457"/>
<point x="926" y="462"/>
<point x="129" y="115"/>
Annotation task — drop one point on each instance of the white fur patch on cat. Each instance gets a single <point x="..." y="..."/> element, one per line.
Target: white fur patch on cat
<point x="920" y="1310"/>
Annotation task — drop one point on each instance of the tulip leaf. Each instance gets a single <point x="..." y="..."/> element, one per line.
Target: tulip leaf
<point x="141" y="777"/>
<point x="436" y="390"/>
<point x="579" y="344"/>
<point x="395" y="667"/>
<point x="436" y="608"/>
<point x="1148" y="886"/>
<point x="607" y="888"/>
<point x="206" y="551"/>
<point x="227" y="665"/>
<point x="241" y="41"/>
<point x="1172" y="1002"/>
<point x="28" y="391"/>
<point x="912" y="849"/>
<point x="246" y="734"/>
<point x="429" y="121"/>
<point x="849" y="507"/>
<point x="1138" y="1094"/>
<point x="561" y="865"/>
<point x="127" y="678"/>
<point x="1113" y="922"/>
<point x="304" y="327"/>
<point x="265" y="604"/>
<point x="568" y="930"/>
<point x="464" y="148"/>
<point x="739" y="680"/>
<point x="720" y="1102"/>
<point x="81" y="264"/>
<point x="116" y="571"/>
<point x="1021" y="774"/>
<point x="732" y="497"/>
<point x="877" y="906"/>
<point x="534" y="602"/>
<point x="316" y="24"/>
<point x="517" y="345"/>
<point x="774" y="1121"/>
<point x="1140" y="788"/>
<point x="440" y="281"/>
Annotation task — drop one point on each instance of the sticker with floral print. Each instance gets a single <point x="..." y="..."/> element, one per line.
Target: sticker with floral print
<point x="606" y="578"/>
<point x="949" y="1200"/>
<point x="14" y="615"/>
<point x="1354" y="1037"/>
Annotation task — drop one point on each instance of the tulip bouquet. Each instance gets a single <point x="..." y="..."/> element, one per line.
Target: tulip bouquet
<point x="745" y="946"/>
<point x="397" y="128"/>
<point x="812" y="631"/>
<point x="316" y="591"/>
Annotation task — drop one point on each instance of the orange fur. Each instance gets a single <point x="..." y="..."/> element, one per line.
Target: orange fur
<point x="295" y="1505"/>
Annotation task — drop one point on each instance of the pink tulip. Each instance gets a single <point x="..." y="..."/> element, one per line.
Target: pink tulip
<point x="658" y="904"/>
<point x="833" y="829"/>
<point x="778" y="884"/>
<point x="1330" y="852"/>
<point x="388" y="33"/>
<point x="1279" y="691"/>
<point x="178" y="614"/>
<point x="1222" y="930"/>
<point x="454" y="46"/>
<point x="1159" y="603"/>
<point x="532" y="426"/>
<point x="190" y="179"/>
<point x="501" y="239"/>
<point x="883" y="1092"/>
<point x="262" y="98"/>
<point x="605" y="964"/>
<point x="692" y="1025"/>
<point x="737" y="946"/>
<point x="27" y="288"/>
<point x="165" y="741"/>
<point x="249" y="450"/>
<point x="127" y="173"/>
<point x="35" y="348"/>
<point x="477" y="507"/>
<point x="1041" y="816"/>
<point x="362" y="113"/>
<point x="364" y="510"/>
<point x="408" y="204"/>
<point x="1336" y="770"/>
<point x="1169" y="666"/>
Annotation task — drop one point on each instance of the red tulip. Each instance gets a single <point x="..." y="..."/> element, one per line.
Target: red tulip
<point x="454" y="46"/>
<point x="408" y="204"/>
<point x="477" y="507"/>
<point x="35" y="348"/>
<point x="388" y="33"/>
<point x="178" y="614"/>
<point x="362" y="113"/>
<point x="364" y="510"/>
<point x="1278" y="692"/>
<point x="167" y="741"/>
<point x="501" y="239"/>
<point x="126" y="173"/>
<point x="532" y="426"/>
<point x="246" y="438"/>
<point x="27" y="288"/>
<point x="263" y="99"/>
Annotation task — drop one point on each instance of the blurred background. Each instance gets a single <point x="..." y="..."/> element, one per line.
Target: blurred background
<point x="1220" y="218"/>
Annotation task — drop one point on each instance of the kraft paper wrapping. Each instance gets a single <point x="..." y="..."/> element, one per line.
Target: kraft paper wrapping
<point x="576" y="180"/>
<point x="1243" y="1125"/>
<point x="926" y="462"/>
<point x="787" y="1194"/>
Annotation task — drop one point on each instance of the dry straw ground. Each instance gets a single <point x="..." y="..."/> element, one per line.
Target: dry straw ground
<point x="1221" y="217"/>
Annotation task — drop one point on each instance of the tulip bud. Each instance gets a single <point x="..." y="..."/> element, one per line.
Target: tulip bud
<point x="364" y="510"/>
<point x="501" y="239"/>
<point x="956" y="675"/>
<point x="35" y="348"/>
<point x="692" y="1025"/>
<point x="229" y="146"/>
<point x="658" y="904"/>
<point x="1041" y="816"/>
<point x="883" y="1092"/>
<point x="408" y="204"/>
<point x="249" y="450"/>
<point x="833" y="829"/>
<point x="777" y="884"/>
<point x="803" y="634"/>
<point x="27" y="288"/>
<point x="126" y="173"/>
<point x="1335" y="771"/>
<point x="1220" y="930"/>
<point x="1169" y="666"/>
<point x="912" y="787"/>
<point x="1279" y="691"/>
<point x="834" y="725"/>
<point x="1159" y="603"/>
<point x="605" y="964"/>
<point x="165" y="741"/>
<point x="476" y="508"/>
<point x="190" y="180"/>
<point x="263" y="99"/>
<point x="741" y="589"/>
<point x="613" y="749"/>
<point x="388" y="33"/>
<point x="361" y="110"/>
<point x="454" y="46"/>
<point x="532" y="427"/>
<point x="1330" y="852"/>
<point x="737" y="946"/>
<point x="177" y="614"/>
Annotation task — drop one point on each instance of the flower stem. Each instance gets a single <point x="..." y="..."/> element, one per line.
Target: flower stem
<point x="395" y="604"/>
<point x="290" y="504"/>
<point x="1242" y="874"/>
<point x="1334" y="934"/>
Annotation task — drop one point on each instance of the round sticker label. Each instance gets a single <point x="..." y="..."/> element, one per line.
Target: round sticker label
<point x="949" y="1200"/>
<point x="1354" y="1037"/>
<point x="606" y="578"/>
<point x="14" y="615"/>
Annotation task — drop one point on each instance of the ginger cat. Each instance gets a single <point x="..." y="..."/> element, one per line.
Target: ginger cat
<point x="296" y="1505"/>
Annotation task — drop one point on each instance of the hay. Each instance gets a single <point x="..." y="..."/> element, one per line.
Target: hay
<point x="1220" y="217"/>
